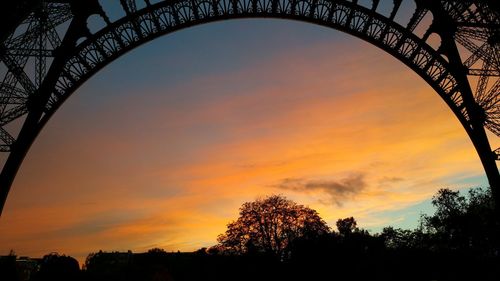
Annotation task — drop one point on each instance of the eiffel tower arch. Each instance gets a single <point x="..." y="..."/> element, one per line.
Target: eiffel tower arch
<point x="48" y="51"/>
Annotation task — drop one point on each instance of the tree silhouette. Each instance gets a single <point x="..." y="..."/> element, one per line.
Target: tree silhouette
<point x="347" y="226"/>
<point x="464" y="222"/>
<point x="55" y="267"/>
<point x="270" y="225"/>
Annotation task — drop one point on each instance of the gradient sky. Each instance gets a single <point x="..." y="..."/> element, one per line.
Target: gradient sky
<point x="162" y="147"/>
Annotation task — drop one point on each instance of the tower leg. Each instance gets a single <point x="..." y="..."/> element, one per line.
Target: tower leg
<point x="27" y="135"/>
<point x="488" y="160"/>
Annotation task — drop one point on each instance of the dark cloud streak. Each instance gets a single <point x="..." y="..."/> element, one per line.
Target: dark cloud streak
<point x="338" y="191"/>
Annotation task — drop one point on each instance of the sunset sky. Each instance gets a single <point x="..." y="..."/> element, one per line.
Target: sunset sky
<point x="162" y="147"/>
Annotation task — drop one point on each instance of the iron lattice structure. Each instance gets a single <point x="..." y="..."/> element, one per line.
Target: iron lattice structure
<point x="47" y="50"/>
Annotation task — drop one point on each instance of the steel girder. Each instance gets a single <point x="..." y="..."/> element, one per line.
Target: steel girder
<point x="51" y="37"/>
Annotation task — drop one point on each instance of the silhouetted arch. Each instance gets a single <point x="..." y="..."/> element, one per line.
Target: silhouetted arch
<point x="81" y="54"/>
<point x="165" y="17"/>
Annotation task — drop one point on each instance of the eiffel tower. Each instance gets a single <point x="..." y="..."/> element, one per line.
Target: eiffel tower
<point x="47" y="51"/>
